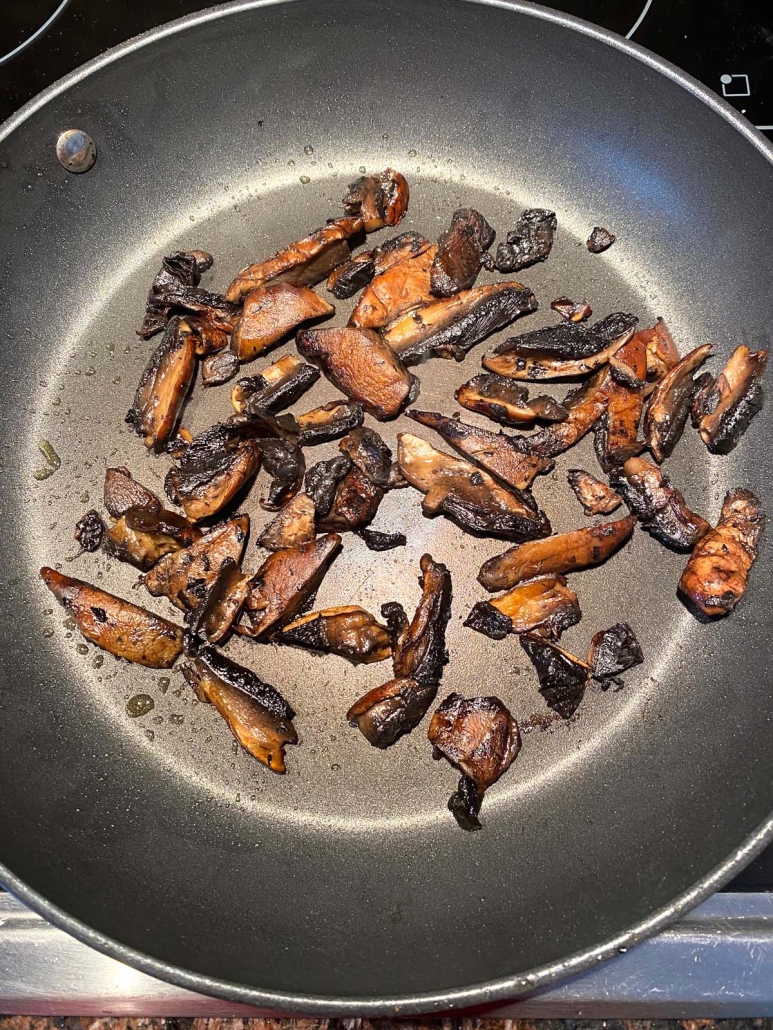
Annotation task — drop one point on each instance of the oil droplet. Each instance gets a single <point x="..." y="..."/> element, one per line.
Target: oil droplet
<point x="411" y="153"/>
<point x="41" y="474"/>
<point x="163" y="684"/>
<point x="150" y="734"/>
<point x="84" y="497"/>
<point x="335" y="767"/>
<point x="291" y="163"/>
<point x="308" y="151"/>
<point x="82" y="649"/>
<point x="158" y="719"/>
<point x="140" y="704"/>
<point x="98" y="661"/>
<point x="116" y="380"/>
<point x="57" y="401"/>
<point x="385" y="136"/>
<point x="362" y="169"/>
<point x="69" y="623"/>
<point x="330" y="164"/>
<point x="49" y="454"/>
<point x="305" y="180"/>
<point x="48" y="632"/>
<point x="176" y="720"/>
<point x="110" y="346"/>
<point x="90" y="371"/>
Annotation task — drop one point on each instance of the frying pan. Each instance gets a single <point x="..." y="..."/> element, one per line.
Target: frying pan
<point x="346" y="886"/>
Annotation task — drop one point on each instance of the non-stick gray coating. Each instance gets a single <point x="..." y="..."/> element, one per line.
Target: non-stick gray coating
<point x="347" y="883"/>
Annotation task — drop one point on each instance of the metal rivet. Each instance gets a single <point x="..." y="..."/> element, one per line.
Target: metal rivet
<point x="76" y="150"/>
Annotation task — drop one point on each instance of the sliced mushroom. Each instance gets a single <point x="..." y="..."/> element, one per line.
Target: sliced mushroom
<point x="293" y="525"/>
<point x="658" y="505"/>
<point x="481" y="739"/>
<point x="496" y="452"/>
<point x="545" y="603"/>
<point x="534" y="365"/>
<point x="735" y="400"/>
<point x="322" y="482"/>
<point x="284" y="462"/>
<point x="718" y="570"/>
<point x="613" y="651"/>
<point x="354" y="503"/>
<point x="185" y="576"/>
<point x="378" y="200"/>
<point x="256" y="713"/>
<point x="531" y="241"/>
<point x="617" y="431"/>
<point x="284" y="583"/>
<point x="164" y="385"/>
<point x="348" y="631"/>
<point x="595" y="497"/>
<point x="122" y="492"/>
<point x="115" y="625"/>
<point x="177" y="287"/>
<point x="271" y="313"/>
<point x="375" y="540"/>
<point x="450" y="327"/>
<point x="662" y="352"/>
<point x="571" y="310"/>
<point x="276" y="387"/>
<point x="670" y="404"/>
<point x="566" y="552"/>
<point x="401" y="287"/>
<point x="213" y="469"/>
<point x="705" y="397"/>
<point x="210" y="339"/>
<point x="562" y="676"/>
<point x="600" y="239"/>
<point x="506" y="401"/>
<point x="215" y="616"/>
<point x="142" y="536"/>
<point x="584" y="407"/>
<point x="360" y="270"/>
<point x="304" y="263"/>
<point x="461" y="252"/>
<point x="219" y="368"/>
<point x="362" y="366"/>
<point x="388" y="712"/>
<point x="365" y="449"/>
<point x="328" y="422"/>
<point x="420" y="646"/>
<point x="89" y="531"/>
<point x="471" y="498"/>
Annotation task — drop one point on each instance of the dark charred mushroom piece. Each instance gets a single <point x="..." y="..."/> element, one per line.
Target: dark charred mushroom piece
<point x="256" y="713"/>
<point x="378" y="200"/>
<point x="328" y="422"/>
<point x="660" y="507"/>
<point x="350" y="632"/>
<point x="213" y="469"/>
<point x="613" y="651"/>
<point x="304" y="263"/>
<point x="584" y="407"/>
<point x="508" y="402"/>
<point x="461" y="252"/>
<point x="366" y="449"/>
<point x="529" y="242"/>
<point x="388" y="712"/>
<point x="270" y="313"/>
<point x="360" y="270"/>
<point x="566" y="552"/>
<point x="219" y="368"/>
<point x="362" y="366"/>
<point x="706" y="397"/>
<point x="294" y="524"/>
<point x="185" y="576"/>
<point x="420" y="646"/>
<point x="123" y="629"/>
<point x="275" y="387"/>
<point x="734" y="400"/>
<point x="122" y="492"/>
<point x="283" y="584"/>
<point x="375" y="540"/>
<point x="142" y="536"/>
<point x="496" y="452"/>
<point x="718" y="570"/>
<point x="595" y="497"/>
<point x="545" y="603"/>
<point x="401" y="286"/>
<point x="470" y="497"/>
<point x="283" y="461"/>
<point x="572" y="310"/>
<point x="450" y="327"/>
<point x="600" y="239"/>
<point x="670" y="404"/>
<point x="562" y="676"/>
<point x="322" y="482"/>
<point x="617" y="431"/>
<point x="89" y="531"/>
<point x="164" y="385"/>
<point x="354" y="504"/>
<point x="210" y="339"/>
<point x="214" y="617"/>
<point x="176" y="287"/>
<point x="480" y="738"/>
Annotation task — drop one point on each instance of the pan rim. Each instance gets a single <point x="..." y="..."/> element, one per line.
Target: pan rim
<point x="474" y="994"/>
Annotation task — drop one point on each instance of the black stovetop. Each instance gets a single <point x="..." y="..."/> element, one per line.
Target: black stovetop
<point x="727" y="44"/>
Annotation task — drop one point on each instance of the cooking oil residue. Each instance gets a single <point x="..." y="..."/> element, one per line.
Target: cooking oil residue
<point x="140" y="704"/>
<point x="53" y="459"/>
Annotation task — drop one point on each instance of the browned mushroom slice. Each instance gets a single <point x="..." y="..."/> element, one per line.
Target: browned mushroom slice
<point x="271" y="313"/>
<point x="735" y="399"/>
<point x="584" y="407"/>
<point x="210" y="339"/>
<point x="571" y="310"/>
<point x="566" y="552"/>
<point x="185" y="576"/>
<point x="481" y="739"/>
<point x="256" y="713"/>
<point x="388" y="712"/>
<point x="375" y="540"/>
<point x="506" y="401"/>
<point x="531" y="241"/>
<point x="356" y="273"/>
<point x="348" y="631"/>
<point x="89" y="531"/>
<point x="115" y="625"/>
<point x="164" y="385"/>
<point x="214" y="617"/>
<point x="705" y="397"/>
<point x="448" y="328"/>
<point x="365" y="449"/>
<point x="328" y="422"/>
<point x="123" y="492"/>
<point x="471" y="498"/>
<point x="420" y="646"/>
<point x="276" y="387"/>
<point x="402" y="287"/>
<point x="304" y="263"/>
<point x="536" y="366"/>
<point x="595" y="497"/>
<point x="213" y="469"/>
<point x="662" y="353"/>
<point x="617" y="430"/>
<point x="562" y="676"/>
<point x="659" y="506"/>
<point x="545" y="603"/>
<point x="461" y="252"/>
<point x="142" y="536"/>
<point x="613" y="651"/>
<point x="177" y="287"/>
<point x="600" y="239"/>
<point x="219" y="368"/>
<point x="718" y="570"/>
<point x="293" y="525"/>
<point x="670" y="404"/>
<point x="378" y="200"/>
<point x="284" y="583"/>
<point x="354" y="503"/>
<point x="362" y="366"/>
<point x="496" y="452"/>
